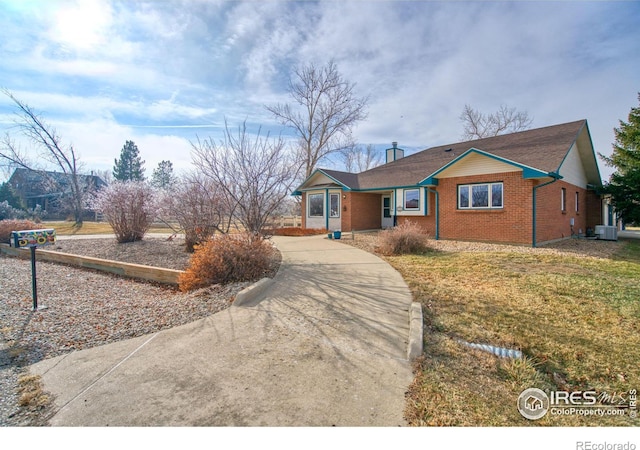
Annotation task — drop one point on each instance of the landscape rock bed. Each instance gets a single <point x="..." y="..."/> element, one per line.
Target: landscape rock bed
<point x="156" y="252"/>
<point x="576" y="247"/>
<point x="86" y="308"/>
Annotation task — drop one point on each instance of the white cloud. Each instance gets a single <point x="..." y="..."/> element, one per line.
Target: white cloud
<point x="109" y="65"/>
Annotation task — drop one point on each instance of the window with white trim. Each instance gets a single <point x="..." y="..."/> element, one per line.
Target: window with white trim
<point x="334" y="205"/>
<point x="316" y="205"/>
<point x="577" y="202"/>
<point x="563" y="199"/>
<point x="480" y="196"/>
<point x="411" y="199"/>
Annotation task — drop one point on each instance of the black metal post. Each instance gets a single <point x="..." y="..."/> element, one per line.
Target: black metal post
<point x="34" y="286"/>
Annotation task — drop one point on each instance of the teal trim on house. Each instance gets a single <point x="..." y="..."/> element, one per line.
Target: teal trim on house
<point x="527" y="172"/>
<point x="597" y="177"/>
<point x="299" y="191"/>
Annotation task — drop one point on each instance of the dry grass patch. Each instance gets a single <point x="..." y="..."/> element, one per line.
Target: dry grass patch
<point x="31" y="394"/>
<point x="571" y="308"/>
<point x="575" y="319"/>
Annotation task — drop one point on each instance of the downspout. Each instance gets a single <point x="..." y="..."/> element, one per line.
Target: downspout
<point x="555" y="177"/>
<point x="437" y="213"/>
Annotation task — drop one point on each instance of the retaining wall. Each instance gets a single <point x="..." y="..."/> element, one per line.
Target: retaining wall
<point x="157" y="274"/>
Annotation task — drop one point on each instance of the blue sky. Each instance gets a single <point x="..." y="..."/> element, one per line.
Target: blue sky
<point x="161" y="73"/>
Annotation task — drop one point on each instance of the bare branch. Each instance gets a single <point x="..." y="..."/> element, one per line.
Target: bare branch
<point x="359" y="159"/>
<point x="253" y="175"/>
<point x="477" y="125"/>
<point x="48" y="147"/>
<point x="324" y="113"/>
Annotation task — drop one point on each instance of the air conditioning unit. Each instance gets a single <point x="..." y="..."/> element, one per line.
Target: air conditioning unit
<point x="606" y="233"/>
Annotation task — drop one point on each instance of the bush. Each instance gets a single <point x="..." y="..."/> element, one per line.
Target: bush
<point x="9" y="212"/>
<point x="7" y="226"/>
<point x="196" y="204"/>
<point x="407" y="237"/>
<point x="227" y="259"/>
<point x="130" y="208"/>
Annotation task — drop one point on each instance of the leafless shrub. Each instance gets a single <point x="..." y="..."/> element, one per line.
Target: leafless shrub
<point x="254" y="174"/>
<point x="407" y="237"/>
<point x="129" y="207"/>
<point x="195" y="202"/>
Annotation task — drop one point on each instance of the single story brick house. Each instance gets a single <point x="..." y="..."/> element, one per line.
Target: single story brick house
<point x="528" y="187"/>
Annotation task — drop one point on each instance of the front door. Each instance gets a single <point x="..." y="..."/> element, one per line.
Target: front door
<point x="387" y="217"/>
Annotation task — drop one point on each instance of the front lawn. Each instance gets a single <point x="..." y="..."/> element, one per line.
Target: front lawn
<point x="575" y="318"/>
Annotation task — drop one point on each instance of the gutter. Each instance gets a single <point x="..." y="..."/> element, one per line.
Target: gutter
<point x="437" y="212"/>
<point x="555" y="177"/>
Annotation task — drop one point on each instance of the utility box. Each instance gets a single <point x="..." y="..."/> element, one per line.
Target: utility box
<point x="33" y="238"/>
<point x="606" y="233"/>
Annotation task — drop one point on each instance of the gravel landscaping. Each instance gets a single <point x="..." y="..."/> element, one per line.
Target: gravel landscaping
<point x="84" y="308"/>
<point x="575" y="247"/>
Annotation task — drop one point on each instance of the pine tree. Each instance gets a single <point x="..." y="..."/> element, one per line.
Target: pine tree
<point x="624" y="184"/>
<point x="129" y="167"/>
<point x="162" y="176"/>
<point x="8" y="194"/>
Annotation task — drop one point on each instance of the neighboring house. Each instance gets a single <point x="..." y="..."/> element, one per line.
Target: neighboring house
<point x="528" y="187"/>
<point x="49" y="189"/>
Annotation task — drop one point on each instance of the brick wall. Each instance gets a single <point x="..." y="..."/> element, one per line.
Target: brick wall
<point x="510" y="224"/>
<point x="554" y="223"/>
<point x="361" y="211"/>
<point x="428" y="222"/>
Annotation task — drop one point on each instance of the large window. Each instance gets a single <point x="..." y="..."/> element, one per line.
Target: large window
<point x="316" y="205"/>
<point x="412" y="199"/>
<point x="334" y="205"/>
<point x="480" y="196"/>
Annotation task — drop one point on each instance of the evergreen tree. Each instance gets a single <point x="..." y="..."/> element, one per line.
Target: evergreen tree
<point x="624" y="184"/>
<point x="129" y="167"/>
<point x="9" y="195"/>
<point x="162" y="176"/>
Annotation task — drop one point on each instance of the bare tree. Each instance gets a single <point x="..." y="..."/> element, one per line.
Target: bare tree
<point x="324" y="111"/>
<point x="50" y="149"/>
<point x="359" y="159"/>
<point x="254" y="174"/>
<point x="506" y="120"/>
<point x="196" y="204"/>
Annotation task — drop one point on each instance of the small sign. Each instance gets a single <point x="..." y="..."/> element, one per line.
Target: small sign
<point x="34" y="238"/>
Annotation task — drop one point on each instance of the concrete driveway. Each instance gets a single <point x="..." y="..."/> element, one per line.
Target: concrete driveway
<point x="326" y="346"/>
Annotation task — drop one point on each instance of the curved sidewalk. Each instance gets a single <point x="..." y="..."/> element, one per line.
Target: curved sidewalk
<point x="326" y="346"/>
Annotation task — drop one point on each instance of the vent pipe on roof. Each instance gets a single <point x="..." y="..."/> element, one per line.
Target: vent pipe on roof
<point x="394" y="153"/>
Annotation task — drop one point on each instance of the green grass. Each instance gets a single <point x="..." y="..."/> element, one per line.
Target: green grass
<point x="575" y="319"/>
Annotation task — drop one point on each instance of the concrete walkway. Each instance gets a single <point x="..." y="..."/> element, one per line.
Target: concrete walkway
<point x="326" y="346"/>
